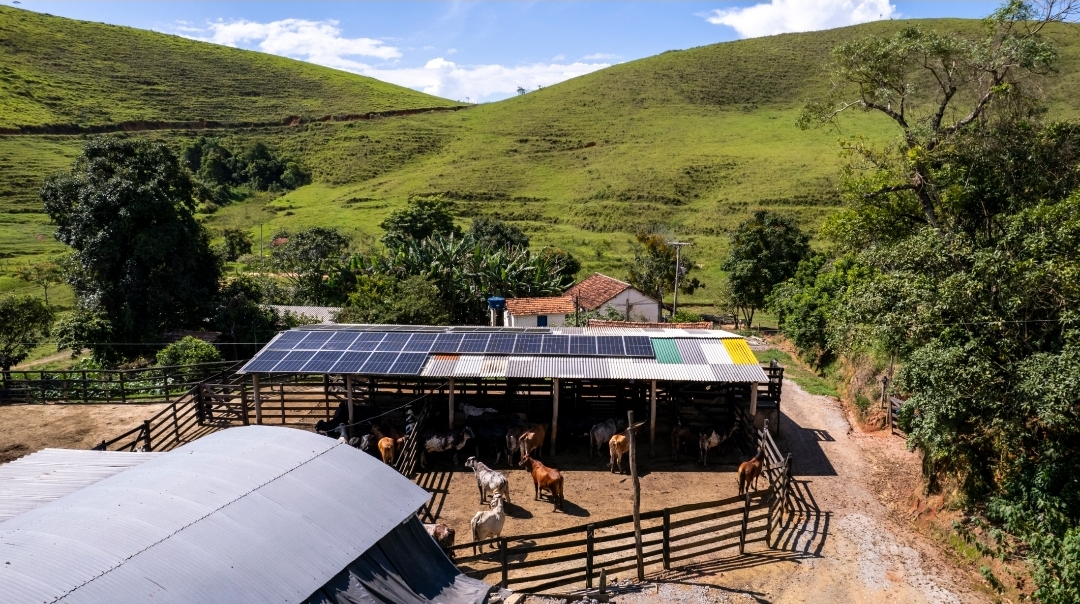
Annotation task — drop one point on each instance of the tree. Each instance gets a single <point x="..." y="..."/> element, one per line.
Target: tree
<point x="312" y="260"/>
<point x="569" y="266"/>
<point x="765" y="250"/>
<point x="422" y="218"/>
<point x="654" y="265"/>
<point x="24" y="320"/>
<point x="43" y="274"/>
<point x="141" y="263"/>
<point x="382" y="299"/>
<point x="237" y="243"/>
<point x="496" y="234"/>
<point x="188" y="351"/>
<point x="521" y="90"/>
<point x="240" y="316"/>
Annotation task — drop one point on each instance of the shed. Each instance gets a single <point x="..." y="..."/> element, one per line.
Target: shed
<point x="253" y="514"/>
<point x="538" y="312"/>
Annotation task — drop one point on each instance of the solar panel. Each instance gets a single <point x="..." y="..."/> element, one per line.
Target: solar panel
<point x="638" y="346"/>
<point x="393" y="342"/>
<point x="556" y="344"/>
<point x="528" y="344"/>
<point x="322" y="362"/>
<point x="409" y="363"/>
<point x="340" y="340"/>
<point x="367" y="341"/>
<point x="610" y="346"/>
<point x="287" y="340"/>
<point x="379" y="362"/>
<point x="265" y="361"/>
<point x="582" y="345"/>
<point x="351" y="362"/>
<point x="420" y="342"/>
<point x="474" y="342"/>
<point x="314" y="340"/>
<point x="501" y="343"/>
<point x="294" y="361"/>
<point x="447" y="342"/>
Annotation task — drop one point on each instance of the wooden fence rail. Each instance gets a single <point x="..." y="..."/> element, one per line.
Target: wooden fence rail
<point x="152" y="384"/>
<point x="892" y="414"/>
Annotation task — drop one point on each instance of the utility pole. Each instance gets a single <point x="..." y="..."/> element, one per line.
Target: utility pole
<point x="678" y="245"/>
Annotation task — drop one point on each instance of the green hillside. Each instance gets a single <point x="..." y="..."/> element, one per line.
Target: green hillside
<point x="687" y="142"/>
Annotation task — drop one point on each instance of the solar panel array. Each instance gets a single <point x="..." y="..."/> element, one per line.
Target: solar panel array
<point x="404" y="353"/>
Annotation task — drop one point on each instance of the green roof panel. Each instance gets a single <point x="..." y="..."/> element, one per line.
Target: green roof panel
<point x="666" y="351"/>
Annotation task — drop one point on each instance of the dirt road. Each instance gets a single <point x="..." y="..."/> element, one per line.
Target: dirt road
<point x="28" y="428"/>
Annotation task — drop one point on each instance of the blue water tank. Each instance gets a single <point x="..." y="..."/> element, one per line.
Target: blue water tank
<point x="496" y="303"/>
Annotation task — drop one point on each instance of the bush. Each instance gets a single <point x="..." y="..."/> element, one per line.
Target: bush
<point x="188" y="351"/>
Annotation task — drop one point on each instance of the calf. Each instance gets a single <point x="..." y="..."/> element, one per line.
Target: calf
<point x="618" y="446"/>
<point x="533" y="440"/>
<point x="545" y="479"/>
<point x="489" y="524"/>
<point x="439" y="442"/>
<point x="386" y="450"/>
<point x="601" y="433"/>
<point x="488" y="480"/>
<point x="711" y="439"/>
<point x="680" y="435"/>
<point x="443" y="536"/>
<point x="750" y="470"/>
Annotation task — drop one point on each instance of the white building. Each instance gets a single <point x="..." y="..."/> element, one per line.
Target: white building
<point x="537" y="312"/>
<point x="601" y="293"/>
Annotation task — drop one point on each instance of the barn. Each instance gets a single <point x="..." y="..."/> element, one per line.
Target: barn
<point x="250" y="514"/>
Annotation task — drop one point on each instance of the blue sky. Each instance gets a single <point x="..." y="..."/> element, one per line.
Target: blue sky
<point x="482" y="51"/>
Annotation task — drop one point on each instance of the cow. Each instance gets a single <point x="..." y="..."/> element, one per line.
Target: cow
<point x="710" y="439"/>
<point x="439" y="442"/>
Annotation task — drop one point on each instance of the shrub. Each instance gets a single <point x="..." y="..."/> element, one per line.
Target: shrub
<point x="188" y="351"/>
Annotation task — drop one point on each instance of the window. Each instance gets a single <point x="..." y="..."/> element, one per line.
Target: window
<point x="541" y="320"/>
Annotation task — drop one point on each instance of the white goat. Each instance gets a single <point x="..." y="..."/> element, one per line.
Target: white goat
<point x="487" y="525"/>
<point x="488" y="480"/>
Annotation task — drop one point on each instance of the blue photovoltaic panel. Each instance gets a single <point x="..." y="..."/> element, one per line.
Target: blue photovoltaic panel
<point x="340" y="340"/>
<point x="609" y="346"/>
<point x="314" y="340"/>
<point x="393" y="342"/>
<point x="420" y="342"/>
<point x="379" y="362"/>
<point x="582" y="345"/>
<point x="293" y="361"/>
<point x="287" y="340"/>
<point x="528" y="344"/>
<point x="474" y="343"/>
<point x="638" y="346"/>
<point x="351" y="362"/>
<point x="501" y="343"/>
<point x="367" y="341"/>
<point x="447" y="342"/>
<point x="409" y="363"/>
<point x="265" y="361"/>
<point x="556" y="344"/>
<point x="322" y="362"/>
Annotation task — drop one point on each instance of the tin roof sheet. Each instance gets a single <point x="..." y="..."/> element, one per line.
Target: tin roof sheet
<point x="248" y="514"/>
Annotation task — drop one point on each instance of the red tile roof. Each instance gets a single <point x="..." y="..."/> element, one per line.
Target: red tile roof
<point x="594" y="291"/>
<point x="561" y="305"/>
<point x="691" y="325"/>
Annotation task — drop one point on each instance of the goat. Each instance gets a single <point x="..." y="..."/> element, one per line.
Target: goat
<point x="749" y="471"/>
<point x="439" y="442"/>
<point x="544" y="479"/>
<point x="443" y="536"/>
<point x="490" y="435"/>
<point x="471" y="411"/>
<point x="709" y="440"/>
<point x="533" y="440"/>
<point x="512" y="436"/>
<point x="488" y="480"/>
<point x="369" y="445"/>
<point x="488" y="524"/>
<point x="601" y="433"/>
<point x="680" y="435"/>
<point x="618" y="446"/>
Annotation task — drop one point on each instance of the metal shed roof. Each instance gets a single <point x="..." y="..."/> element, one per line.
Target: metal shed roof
<point x="247" y="514"/>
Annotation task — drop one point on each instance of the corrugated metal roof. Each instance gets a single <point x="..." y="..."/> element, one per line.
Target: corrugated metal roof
<point x="740" y="352"/>
<point x="690" y="351"/>
<point x="666" y="351"/>
<point x="49" y="474"/>
<point x="248" y="514"/>
<point x="586" y="368"/>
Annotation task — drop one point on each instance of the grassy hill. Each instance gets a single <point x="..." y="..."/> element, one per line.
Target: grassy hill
<point x="687" y="142"/>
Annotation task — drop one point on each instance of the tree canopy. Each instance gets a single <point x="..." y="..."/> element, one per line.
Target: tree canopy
<point x="312" y="260"/>
<point x="24" y="321"/>
<point x="653" y="268"/>
<point x="422" y="218"/>
<point x="765" y="250"/>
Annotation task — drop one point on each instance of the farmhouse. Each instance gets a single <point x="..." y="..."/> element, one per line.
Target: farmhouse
<point x="255" y="514"/>
<point x="538" y="312"/>
<point x="604" y="294"/>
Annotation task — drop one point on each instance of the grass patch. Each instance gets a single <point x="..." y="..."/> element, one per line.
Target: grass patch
<point x="806" y="379"/>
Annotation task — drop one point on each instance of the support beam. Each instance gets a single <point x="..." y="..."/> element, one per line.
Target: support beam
<point x="554" y="412"/>
<point x="753" y="401"/>
<point x="451" y="403"/>
<point x="652" y="413"/>
<point x="258" y="399"/>
<point x="349" y="398"/>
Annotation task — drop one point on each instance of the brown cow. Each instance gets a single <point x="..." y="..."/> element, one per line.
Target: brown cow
<point x="618" y="446"/>
<point x="545" y="479"/>
<point x="387" y="445"/>
<point x="750" y="470"/>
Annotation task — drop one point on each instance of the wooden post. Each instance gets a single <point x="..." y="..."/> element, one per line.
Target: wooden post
<point x="753" y="403"/>
<point x="451" y="403"/>
<point x="85" y="396"/>
<point x="281" y="390"/>
<point x="787" y="482"/>
<point x="603" y="580"/>
<point x="326" y="393"/>
<point x="165" y="382"/>
<point x="146" y="435"/>
<point x="176" y="424"/>
<point x="588" y="556"/>
<point x="652" y="415"/>
<point x="257" y="393"/>
<point x="667" y="539"/>
<point x="505" y="563"/>
<point x="554" y="412"/>
<point x="745" y="521"/>
<point x="123" y="395"/>
<point x="637" y="496"/>
<point x="349" y="399"/>
<point x="243" y="402"/>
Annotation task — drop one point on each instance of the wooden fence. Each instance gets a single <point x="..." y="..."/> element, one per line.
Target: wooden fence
<point x="152" y="384"/>
<point x="892" y="414"/>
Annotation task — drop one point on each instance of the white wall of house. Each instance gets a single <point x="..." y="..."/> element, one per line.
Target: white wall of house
<point x="530" y="320"/>
<point x="640" y="306"/>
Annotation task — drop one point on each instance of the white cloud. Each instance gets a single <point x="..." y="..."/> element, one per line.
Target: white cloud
<point x="451" y="51"/>
<point x="480" y="82"/>
<point x="782" y="16"/>
<point x="600" y="56"/>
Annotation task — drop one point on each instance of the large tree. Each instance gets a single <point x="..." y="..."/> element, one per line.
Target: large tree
<point x="312" y="260"/>
<point x="141" y="262"/>
<point x="422" y="218"/>
<point x="765" y="250"/>
<point x="24" y="321"/>
<point x="655" y="263"/>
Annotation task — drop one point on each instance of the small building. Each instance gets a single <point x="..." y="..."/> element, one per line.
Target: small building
<point x="538" y="312"/>
<point x="602" y="293"/>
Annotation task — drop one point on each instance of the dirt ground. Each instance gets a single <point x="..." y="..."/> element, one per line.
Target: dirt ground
<point x="28" y="428"/>
<point x="851" y="542"/>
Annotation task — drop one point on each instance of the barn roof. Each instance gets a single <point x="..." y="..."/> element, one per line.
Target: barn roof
<point x="247" y="514"/>
<point x="592" y="292"/>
